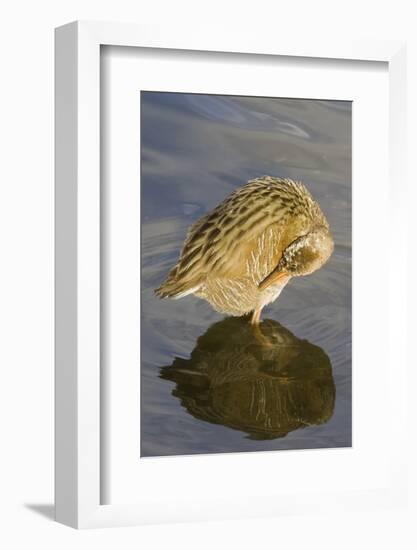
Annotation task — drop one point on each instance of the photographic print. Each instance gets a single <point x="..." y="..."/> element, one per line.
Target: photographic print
<point x="245" y="274"/>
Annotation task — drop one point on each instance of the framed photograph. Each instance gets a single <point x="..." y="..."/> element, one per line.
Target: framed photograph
<point x="272" y="386"/>
<point x="227" y="307"/>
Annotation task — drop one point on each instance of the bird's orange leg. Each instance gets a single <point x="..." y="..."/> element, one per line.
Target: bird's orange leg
<point x="256" y="316"/>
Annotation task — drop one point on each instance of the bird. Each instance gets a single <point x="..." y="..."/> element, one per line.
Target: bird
<point x="241" y="255"/>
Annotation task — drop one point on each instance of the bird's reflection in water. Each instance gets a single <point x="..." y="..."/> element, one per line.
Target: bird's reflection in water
<point x="266" y="385"/>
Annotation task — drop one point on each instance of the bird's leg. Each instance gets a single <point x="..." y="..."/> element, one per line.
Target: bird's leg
<point x="256" y="316"/>
<point x="257" y="331"/>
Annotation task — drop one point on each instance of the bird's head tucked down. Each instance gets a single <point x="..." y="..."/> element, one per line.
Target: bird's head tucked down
<point x="303" y="256"/>
<point x="307" y="253"/>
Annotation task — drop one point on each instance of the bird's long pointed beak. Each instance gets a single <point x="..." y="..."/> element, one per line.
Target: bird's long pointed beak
<point x="276" y="277"/>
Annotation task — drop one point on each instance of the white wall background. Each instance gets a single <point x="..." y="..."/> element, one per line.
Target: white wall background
<point x="26" y="287"/>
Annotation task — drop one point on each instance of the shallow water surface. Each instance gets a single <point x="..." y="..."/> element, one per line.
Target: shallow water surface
<point x="209" y="383"/>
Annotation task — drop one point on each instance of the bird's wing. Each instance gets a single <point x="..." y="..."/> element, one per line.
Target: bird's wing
<point x="220" y="243"/>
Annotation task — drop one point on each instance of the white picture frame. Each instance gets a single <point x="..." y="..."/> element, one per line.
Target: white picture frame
<point x="78" y="321"/>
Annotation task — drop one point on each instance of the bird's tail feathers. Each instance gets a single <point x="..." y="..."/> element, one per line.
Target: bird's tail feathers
<point x="174" y="288"/>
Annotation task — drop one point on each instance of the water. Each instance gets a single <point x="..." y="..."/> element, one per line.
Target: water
<point x="209" y="384"/>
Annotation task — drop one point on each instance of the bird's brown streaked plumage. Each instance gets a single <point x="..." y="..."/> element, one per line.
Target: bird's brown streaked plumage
<point x="240" y="256"/>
